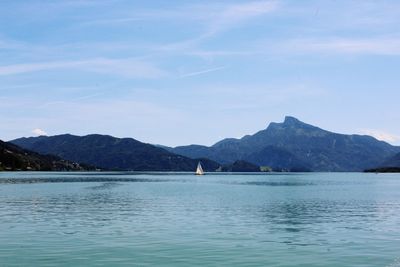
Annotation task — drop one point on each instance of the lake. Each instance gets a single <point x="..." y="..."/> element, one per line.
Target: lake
<point x="177" y="219"/>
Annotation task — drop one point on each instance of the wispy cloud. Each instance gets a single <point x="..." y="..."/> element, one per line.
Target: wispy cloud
<point x="375" y="45"/>
<point x="7" y="44"/>
<point x="85" y="97"/>
<point x="190" y="74"/>
<point x="381" y="135"/>
<point x="213" y="18"/>
<point x="123" y="67"/>
<point x="216" y="19"/>
<point x="235" y="14"/>
<point x="217" y="16"/>
<point x="208" y="20"/>
<point x="179" y="13"/>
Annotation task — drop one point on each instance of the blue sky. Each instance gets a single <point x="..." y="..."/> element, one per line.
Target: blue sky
<point x="182" y="72"/>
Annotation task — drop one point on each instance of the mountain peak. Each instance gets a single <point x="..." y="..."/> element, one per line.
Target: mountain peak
<point x="289" y="120"/>
<point x="294" y="124"/>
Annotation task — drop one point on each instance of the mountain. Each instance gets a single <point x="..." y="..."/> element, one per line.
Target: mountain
<point x="392" y="164"/>
<point x="392" y="161"/>
<point x="240" y="166"/>
<point x="13" y="158"/>
<point x="289" y="146"/>
<point x="384" y="170"/>
<point x="278" y="159"/>
<point x="113" y="153"/>
<point x="295" y="145"/>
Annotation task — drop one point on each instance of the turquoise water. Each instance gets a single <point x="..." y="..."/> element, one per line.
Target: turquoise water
<point x="125" y="219"/>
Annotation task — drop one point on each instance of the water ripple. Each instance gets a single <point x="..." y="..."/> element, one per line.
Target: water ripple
<point x="183" y="220"/>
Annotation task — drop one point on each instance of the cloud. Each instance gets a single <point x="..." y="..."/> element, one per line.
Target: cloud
<point x="188" y="13"/>
<point x="123" y="67"/>
<point x="38" y="132"/>
<point x="215" y="17"/>
<point x="202" y="72"/>
<point x="381" y="135"/>
<point x="207" y="20"/>
<point x="375" y="45"/>
<point x="85" y="97"/>
<point x="218" y="14"/>
<point x="232" y="15"/>
<point x="7" y="44"/>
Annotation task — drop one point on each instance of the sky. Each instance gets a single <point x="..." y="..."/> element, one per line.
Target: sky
<point x="195" y="72"/>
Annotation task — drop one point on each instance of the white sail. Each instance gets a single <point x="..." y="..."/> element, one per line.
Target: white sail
<point x="199" y="170"/>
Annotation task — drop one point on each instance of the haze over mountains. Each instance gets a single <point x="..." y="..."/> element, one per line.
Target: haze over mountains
<point x="289" y="146"/>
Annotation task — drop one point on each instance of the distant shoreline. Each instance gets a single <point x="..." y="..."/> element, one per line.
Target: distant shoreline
<point x="384" y="170"/>
<point x="375" y="170"/>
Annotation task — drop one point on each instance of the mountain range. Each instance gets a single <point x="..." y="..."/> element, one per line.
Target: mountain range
<point x="112" y="153"/>
<point x="296" y="146"/>
<point x="288" y="146"/>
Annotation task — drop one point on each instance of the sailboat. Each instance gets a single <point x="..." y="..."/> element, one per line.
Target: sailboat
<point x="199" y="170"/>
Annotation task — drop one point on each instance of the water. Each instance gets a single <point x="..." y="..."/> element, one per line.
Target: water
<point x="144" y="219"/>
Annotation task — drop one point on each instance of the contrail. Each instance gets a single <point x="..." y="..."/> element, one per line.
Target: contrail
<point x="72" y="100"/>
<point x="202" y="72"/>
